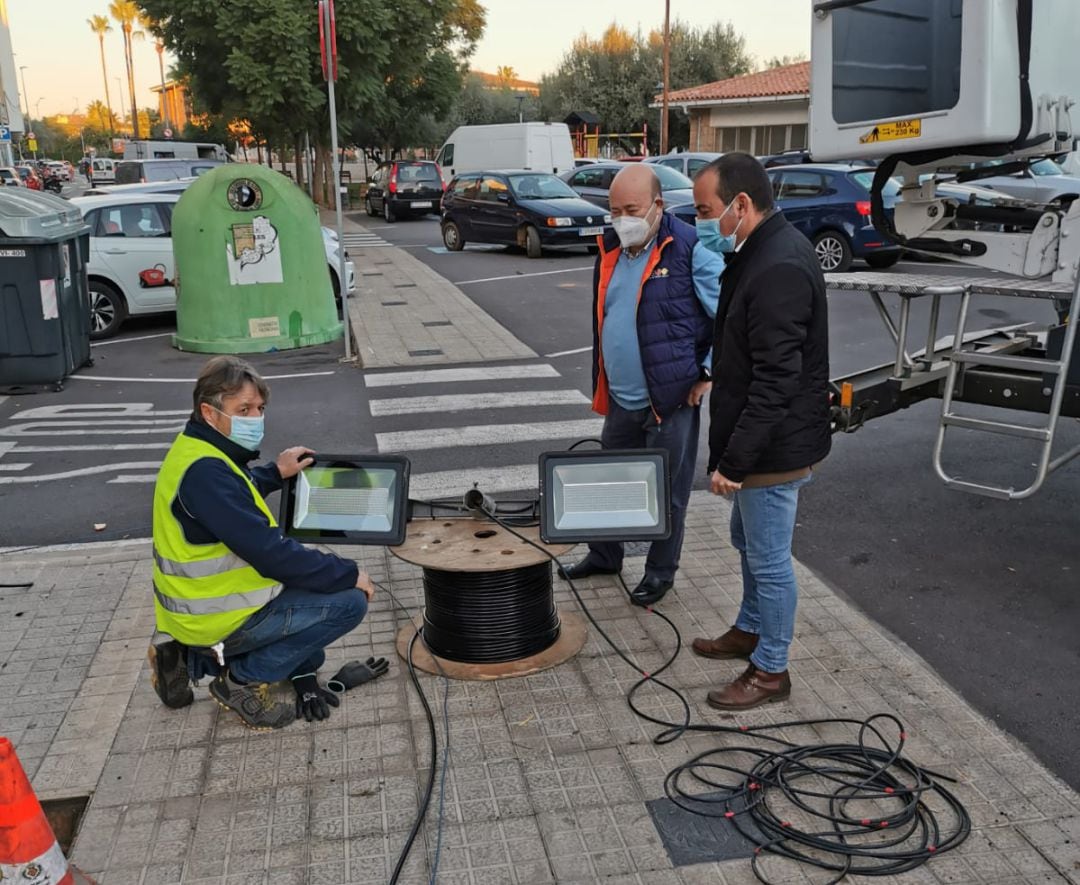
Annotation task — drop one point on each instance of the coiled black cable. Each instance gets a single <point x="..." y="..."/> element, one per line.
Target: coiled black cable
<point x="489" y="617"/>
<point x="899" y="819"/>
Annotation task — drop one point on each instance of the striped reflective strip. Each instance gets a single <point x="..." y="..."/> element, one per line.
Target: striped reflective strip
<point x="201" y="568"/>
<point x="216" y="605"/>
<point x="51" y="866"/>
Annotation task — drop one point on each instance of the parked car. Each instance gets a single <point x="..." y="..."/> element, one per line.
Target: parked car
<point x="103" y="170"/>
<point x="29" y="177"/>
<point x="132" y="233"/>
<point x="9" y="177"/>
<point x="403" y="188"/>
<point x="584" y="161"/>
<point x="134" y="171"/>
<point x="594" y="182"/>
<point x="1044" y="181"/>
<point x="689" y="163"/>
<point x="60" y="169"/>
<point x="533" y="210"/>
<point x="541" y="147"/>
<point x="830" y="204"/>
<point x="173" y="186"/>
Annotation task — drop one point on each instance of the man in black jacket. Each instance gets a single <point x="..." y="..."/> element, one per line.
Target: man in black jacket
<point x="769" y="410"/>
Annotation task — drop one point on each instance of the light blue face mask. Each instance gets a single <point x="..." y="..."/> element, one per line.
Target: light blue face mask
<point x="246" y="432"/>
<point x="708" y="231"/>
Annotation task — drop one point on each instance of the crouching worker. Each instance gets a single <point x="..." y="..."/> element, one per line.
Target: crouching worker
<point x="236" y="599"/>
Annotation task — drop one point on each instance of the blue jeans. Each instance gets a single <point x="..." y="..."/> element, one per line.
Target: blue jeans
<point x="286" y="637"/>
<point x="762" y="523"/>
<point x="637" y="429"/>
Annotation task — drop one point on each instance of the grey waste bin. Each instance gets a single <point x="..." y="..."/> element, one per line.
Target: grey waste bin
<point x="44" y="292"/>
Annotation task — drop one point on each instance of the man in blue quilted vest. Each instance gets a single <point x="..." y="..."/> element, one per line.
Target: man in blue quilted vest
<point x="655" y="292"/>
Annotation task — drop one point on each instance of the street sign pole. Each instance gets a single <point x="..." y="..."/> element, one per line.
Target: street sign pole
<point x="328" y="41"/>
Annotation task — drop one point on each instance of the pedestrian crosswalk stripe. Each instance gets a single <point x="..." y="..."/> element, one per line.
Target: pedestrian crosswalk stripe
<point x="454" y="376"/>
<point x="485" y="434"/>
<point x="412" y="405"/>
<point x="452" y="483"/>
<point x="358" y="240"/>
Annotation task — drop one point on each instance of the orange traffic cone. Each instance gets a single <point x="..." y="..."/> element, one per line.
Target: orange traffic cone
<point x="29" y="853"/>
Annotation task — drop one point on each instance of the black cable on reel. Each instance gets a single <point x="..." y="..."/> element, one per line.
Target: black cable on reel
<point x="489" y="617"/>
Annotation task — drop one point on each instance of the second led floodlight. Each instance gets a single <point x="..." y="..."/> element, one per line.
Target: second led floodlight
<point x="347" y="499"/>
<point x="610" y="495"/>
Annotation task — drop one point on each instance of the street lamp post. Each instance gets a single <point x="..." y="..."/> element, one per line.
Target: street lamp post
<point x="667" y="78"/>
<point x="520" y="99"/>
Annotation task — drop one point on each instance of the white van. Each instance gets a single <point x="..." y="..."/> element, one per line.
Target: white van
<point x="104" y="170"/>
<point x="539" y="147"/>
<point x="170" y="149"/>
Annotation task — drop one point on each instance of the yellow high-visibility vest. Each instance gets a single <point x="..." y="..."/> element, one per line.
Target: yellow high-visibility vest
<point x="202" y="592"/>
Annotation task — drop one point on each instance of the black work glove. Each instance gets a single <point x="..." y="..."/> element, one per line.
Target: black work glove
<point x="355" y="673"/>
<point x="312" y="699"/>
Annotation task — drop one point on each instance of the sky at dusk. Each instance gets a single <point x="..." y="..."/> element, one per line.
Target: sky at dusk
<point x="63" y="68"/>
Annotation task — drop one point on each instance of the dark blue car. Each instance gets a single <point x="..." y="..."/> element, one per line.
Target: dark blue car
<point x="533" y="210"/>
<point x="830" y="204"/>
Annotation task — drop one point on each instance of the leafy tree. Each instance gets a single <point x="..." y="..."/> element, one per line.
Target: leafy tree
<point x="618" y="75"/>
<point x="259" y="60"/>
<point x="781" y="61"/>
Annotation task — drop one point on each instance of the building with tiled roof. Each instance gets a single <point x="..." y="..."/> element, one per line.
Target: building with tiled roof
<point x="761" y="113"/>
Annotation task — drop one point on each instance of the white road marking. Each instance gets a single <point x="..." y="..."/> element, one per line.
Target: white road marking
<point x="411" y="405"/>
<point x="447" y="483"/>
<point x="19" y="448"/>
<point x="14" y="467"/>
<point x="189" y="380"/>
<point x="98" y="410"/>
<point x="3" y="399"/>
<point x="550" y="356"/>
<point x="138" y="478"/>
<point x="82" y="471"/>
<point x="135" y="338"/>
<point x="453" y="376"/>
<point x="521" y="276"/>
<point x="90" y="428"/>
<point x="484" y="434"/>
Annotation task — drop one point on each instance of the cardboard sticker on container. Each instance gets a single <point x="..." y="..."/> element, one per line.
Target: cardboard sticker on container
<point x="254" y="253"/>
<point x="49" y="308"/>
<point x="264" y="327"/>
<point x="894" y="131"/>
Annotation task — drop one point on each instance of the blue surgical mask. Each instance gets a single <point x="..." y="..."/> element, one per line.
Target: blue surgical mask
<point x="246" y="432"/>
<point x="708" y="231"/>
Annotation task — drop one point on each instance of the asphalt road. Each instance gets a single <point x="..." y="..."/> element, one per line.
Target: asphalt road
<point x="988" y="592"/>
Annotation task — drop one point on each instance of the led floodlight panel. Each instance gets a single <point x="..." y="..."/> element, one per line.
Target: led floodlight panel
<point x="346" y="499"/>
<point x="610" y="495"/>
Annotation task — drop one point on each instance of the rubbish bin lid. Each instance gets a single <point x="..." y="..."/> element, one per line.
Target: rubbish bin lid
<point x="29" y="214"/>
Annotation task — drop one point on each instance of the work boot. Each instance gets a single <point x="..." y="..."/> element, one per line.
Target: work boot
<point x="169" y="671"/>
<point x="752" y="689"/>
<point x="735" y="643"/>
<point x="262" y="705"/>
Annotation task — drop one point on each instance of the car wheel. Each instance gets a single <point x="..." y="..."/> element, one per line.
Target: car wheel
<point x="833" y="252"/>
<point x="883" y="260"/>
<point x="369" y="208"/>
<point x="387" y="212"/>
<point x="451" y="237"/>
<point x="335" y="285"/>
<point x="107" y="310"/>
<point x="532" y="242"/>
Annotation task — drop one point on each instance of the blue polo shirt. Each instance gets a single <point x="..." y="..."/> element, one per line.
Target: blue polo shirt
<point x="619" y="342"/>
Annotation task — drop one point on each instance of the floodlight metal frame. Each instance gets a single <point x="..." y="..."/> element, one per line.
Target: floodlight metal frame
<point x="551" y="535"/>
<point x="391" y="538"/>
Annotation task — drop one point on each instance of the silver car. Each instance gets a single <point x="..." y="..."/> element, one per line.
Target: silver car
<point x="1042" y="182"/>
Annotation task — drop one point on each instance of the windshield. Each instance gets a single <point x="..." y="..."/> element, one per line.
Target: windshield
<point x="1046" y="167"/>
<point x="671" y="179"/>
<point x="866" y="180"/>
<point x="541" y="187"/>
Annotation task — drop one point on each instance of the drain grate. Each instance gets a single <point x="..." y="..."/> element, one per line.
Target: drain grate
<point x="394" y="303"/>
<point x="431" y="352"/>
<point x="692" y="838"/>
<point x="434" y="323"/>
<point x="64" y="816"/>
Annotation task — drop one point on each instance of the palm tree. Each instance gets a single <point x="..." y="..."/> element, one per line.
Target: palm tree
<point x="99" y="24"/>
<point x="505" y="75"/>
<point x="127" y="13"/>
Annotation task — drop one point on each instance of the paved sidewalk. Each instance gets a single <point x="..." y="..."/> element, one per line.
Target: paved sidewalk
<point x="405" y="314"/>
<point x="549" y="775"/>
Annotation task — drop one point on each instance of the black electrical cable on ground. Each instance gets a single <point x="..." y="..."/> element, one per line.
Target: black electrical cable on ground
<point x="489" y="617"/>
<point x="847" y="808"/>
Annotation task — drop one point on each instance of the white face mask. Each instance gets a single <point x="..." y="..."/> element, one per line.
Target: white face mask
<point x="632" y="230"/>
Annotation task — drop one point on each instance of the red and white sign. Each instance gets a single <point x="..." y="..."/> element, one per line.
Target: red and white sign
<point x="328" y="40"/>
<point x="167" y="133"/>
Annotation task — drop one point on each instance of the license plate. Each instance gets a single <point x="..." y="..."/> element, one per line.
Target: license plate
<point x="421" y="204"/>
<point x="591" y="231"/>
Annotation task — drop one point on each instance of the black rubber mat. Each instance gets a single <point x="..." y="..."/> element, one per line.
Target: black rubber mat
<point x="693" y="838"/>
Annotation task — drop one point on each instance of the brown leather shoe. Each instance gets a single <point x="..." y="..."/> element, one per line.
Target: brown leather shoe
<point x="752" y="689"/>
<point x="735" y="643"/>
